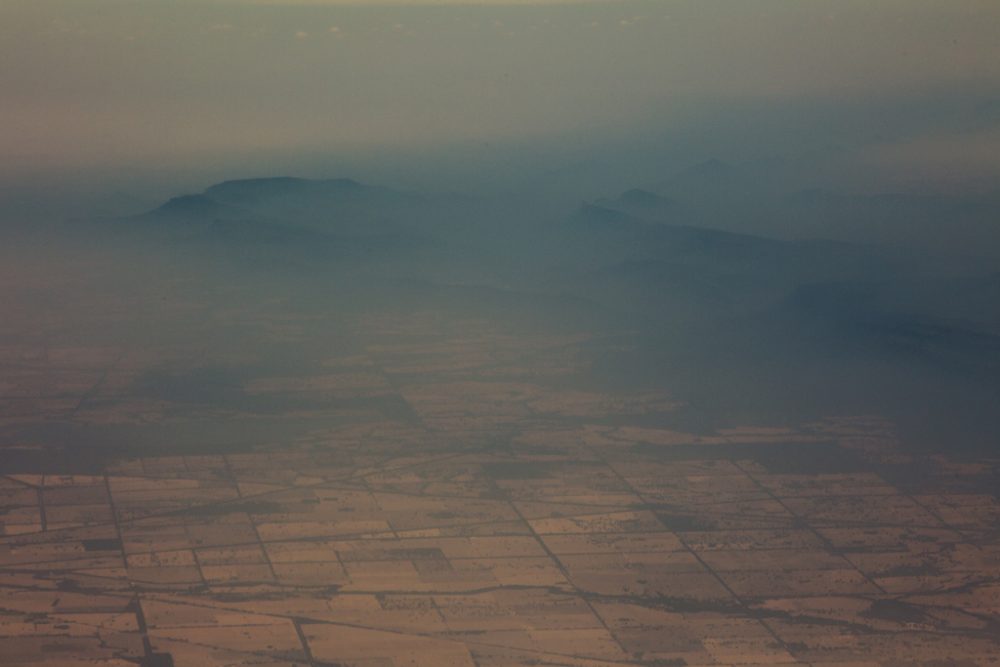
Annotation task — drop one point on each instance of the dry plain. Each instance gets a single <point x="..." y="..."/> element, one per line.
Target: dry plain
<point x="455" y="500"/>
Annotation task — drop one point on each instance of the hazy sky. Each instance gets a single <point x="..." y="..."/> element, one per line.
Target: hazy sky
<point x="212" y="87"/>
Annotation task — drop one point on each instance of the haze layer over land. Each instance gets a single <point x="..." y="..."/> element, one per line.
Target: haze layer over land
<point x="499" y="333"/>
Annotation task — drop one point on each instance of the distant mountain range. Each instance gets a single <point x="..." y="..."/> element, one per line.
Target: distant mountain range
<point x="197" y="206"/>
<point x="679" y="264"/>
<point x="342" y="205"/>
<point x="641" y="247"/>
<point x="767" y="197"/>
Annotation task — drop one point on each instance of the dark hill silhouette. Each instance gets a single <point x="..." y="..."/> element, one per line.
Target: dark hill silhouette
<point x="259" y="190"/>
<point x="646" y="205"/>
<point x="340" y="206"/>
<point x="196" y="206"/>
<point x="603" y="224"/>
<point x="268" y="196"/>
<point x="593" y="218"/>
